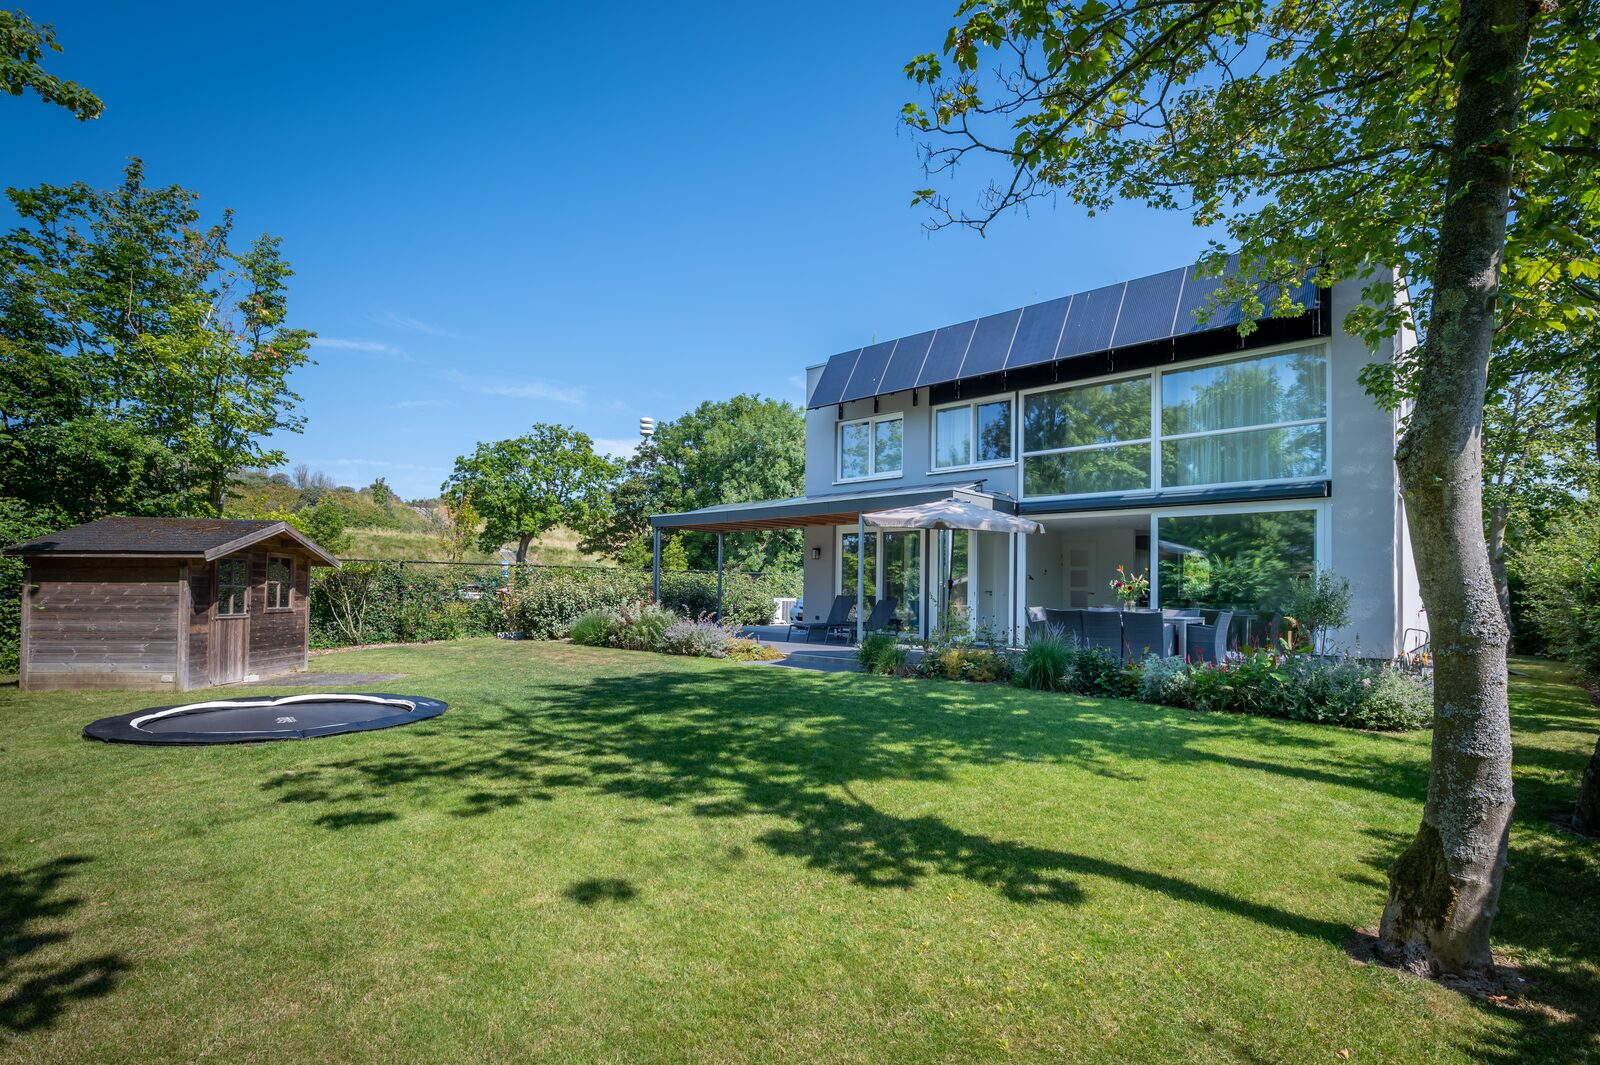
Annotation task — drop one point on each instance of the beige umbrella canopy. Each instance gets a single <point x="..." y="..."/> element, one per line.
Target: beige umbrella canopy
<point x="951" y="514"/>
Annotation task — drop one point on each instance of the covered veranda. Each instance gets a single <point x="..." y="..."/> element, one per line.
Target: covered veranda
<point x="924" y="556"/>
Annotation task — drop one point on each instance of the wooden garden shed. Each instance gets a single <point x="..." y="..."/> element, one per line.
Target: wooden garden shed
<point x="164" y="603"/>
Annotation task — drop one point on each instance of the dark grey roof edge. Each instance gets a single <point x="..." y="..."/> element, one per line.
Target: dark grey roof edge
<point x="253" y="530"/>
<point x="1320" y="488"/>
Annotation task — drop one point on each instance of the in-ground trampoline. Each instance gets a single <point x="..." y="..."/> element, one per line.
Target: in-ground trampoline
<point x="287" y="717"/>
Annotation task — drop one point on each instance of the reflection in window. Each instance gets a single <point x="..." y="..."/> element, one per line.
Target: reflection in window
<point x="952" y="437"/>
<point x="1255" y="455"/>
<point x="1087" y="415"/>
<point x="1265" y="390"/>
<point x="847" y="565"/>
<point x="870" y="447"/>
<point x="1240" y="562"/>
<point x="972" y="433"/>
<point x="280" y="579"/>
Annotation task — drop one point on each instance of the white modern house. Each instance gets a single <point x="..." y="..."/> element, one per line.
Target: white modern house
<point x="1135" y="435"/>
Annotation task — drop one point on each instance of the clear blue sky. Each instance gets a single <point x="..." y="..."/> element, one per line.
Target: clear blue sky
<point x="498" y="217"/>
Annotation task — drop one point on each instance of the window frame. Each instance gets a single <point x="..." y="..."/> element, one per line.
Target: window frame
<point x="244" y="588"/>
<point x="972" y="405"/>
<point x="1155" y="439"/>
<point x="871" y="422"/>
<point x="287" y="586"/>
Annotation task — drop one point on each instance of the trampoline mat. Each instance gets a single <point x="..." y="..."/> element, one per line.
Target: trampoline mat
<point x="288" y="717"/>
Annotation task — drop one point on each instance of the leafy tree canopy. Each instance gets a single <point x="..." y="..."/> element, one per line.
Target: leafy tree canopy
<point x="525" y="487"/>
<point x="23" y="44"/>
<point x="144" y="359"/>
<point x="737" y="450"/>
<point x="1316" y="133"/>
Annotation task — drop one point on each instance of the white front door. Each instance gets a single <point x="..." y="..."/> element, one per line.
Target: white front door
<point x="1079" y="559"/>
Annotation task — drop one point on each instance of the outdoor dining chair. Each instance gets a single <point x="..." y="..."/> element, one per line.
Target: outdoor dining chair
<point x="1209" y="643"/>
<point x="1103" y="628"/>
<point x="1144" y="632"/>
<point x="1069" y="623"/>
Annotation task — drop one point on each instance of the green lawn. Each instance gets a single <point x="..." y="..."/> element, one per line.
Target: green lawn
<point x="607" y="856"/>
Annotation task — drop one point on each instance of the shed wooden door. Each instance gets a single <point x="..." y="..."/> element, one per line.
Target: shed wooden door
<point x="230" y="642"/>
<point x="230" y="621"/>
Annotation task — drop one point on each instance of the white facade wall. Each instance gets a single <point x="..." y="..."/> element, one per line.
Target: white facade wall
<point x="1362" y="533"/>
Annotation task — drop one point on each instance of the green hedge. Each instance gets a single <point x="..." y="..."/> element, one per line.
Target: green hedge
<point x="396" y="602"/>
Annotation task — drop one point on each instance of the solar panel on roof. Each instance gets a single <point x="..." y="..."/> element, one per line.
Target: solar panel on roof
<point x="1089" y="326"/>
<point x="906" y="363"/>
<point x="1038" y="333"/>
<point x="870" y="365"/>
<point x="1197" y="293"/>
<point x="949" y="347"/>
<point x="835" y="375"/>
<point x="990" y="342"/>
<point x="1147" y="309"/>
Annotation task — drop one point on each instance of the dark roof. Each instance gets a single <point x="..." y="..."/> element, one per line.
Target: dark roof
<point x="1147" y="311"/>
<point x="207" y="538"/>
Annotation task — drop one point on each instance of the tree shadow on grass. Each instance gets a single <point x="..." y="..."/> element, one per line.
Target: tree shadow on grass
<point x="35" y="986"/>
<point x="727" y="742"/>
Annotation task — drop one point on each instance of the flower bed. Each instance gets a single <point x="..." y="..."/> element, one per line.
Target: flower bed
<point x="1300" y="687"/>
<point x="644" y="627"/>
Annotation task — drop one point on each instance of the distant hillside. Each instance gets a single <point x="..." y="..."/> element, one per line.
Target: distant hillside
<point x="380" y="524"/>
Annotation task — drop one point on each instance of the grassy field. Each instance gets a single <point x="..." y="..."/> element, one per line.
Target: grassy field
<point x="603" y="856"/>
<point x="558" y="547"/>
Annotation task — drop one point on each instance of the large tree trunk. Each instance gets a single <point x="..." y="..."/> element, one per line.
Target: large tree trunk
<point x="522" y="547"/>
<point x="1444" y="890"/>
<point x="1587" y="819"/>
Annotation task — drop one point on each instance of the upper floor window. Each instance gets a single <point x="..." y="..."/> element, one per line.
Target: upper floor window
<point x="1251" y="419"/>
<point x="972" y="434"/>
<point x="871" y="447"/>
<point x="1256" y="419"/>
<point x="1089" y="438"/>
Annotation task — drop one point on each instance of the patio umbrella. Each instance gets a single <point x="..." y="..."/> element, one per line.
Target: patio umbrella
<point x="951" y="514"/>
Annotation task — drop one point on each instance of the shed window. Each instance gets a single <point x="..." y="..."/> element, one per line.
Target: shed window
<point x="233" y="585"/>
<point x="280" y="579"/>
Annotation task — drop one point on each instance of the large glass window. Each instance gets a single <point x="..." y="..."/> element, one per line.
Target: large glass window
<point x="1240" y="562"/>
<point x="871" y="447"/>
<point x="973" y="433"/>
<point x="1088" y="438"/>
<point x="950" y="578"/>
<point x="849" y="547"/>
<point x="902" y="575"/>
<point x="1257" y="418"/>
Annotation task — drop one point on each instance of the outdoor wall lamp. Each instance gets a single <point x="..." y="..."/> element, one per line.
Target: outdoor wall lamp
<point x="816" y="554"/>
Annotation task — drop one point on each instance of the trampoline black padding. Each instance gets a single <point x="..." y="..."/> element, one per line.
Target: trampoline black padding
<point x="286" y="717"/>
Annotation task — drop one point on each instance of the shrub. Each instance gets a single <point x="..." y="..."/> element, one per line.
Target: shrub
<point x="1164" y="680"/>
<point x="1096" y="671"/>
<point x="743" y="650"/>
<point x="1560" y="577"/>
<point x="1394" y="701"/>
<point x="641" y="626"/>
<point x="594" y="628"/>
<point x="1047" y="663"/>
<point x="881" y="653"/>
<point x="1323" y="690"/>
<point x="696" y="638"/>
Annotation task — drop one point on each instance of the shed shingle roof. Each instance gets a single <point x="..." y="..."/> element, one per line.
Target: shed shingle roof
<point x="163" y="537"/>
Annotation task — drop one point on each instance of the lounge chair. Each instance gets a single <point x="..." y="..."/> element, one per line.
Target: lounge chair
<point x="838" y="618"/>
<point x="882" y="618"/>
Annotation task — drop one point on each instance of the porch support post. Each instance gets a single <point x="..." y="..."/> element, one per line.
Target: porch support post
<point x="655" y="566"/>
<point x="719" y="578"/>
<point x="1019" y="589"/>
<point x="861" y="576"/>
